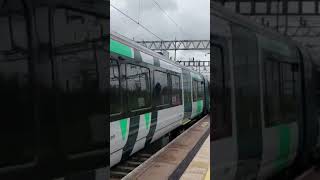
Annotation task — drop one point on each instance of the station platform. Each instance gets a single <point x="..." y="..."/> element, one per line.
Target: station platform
<point x="186" y="157"/>
<point x="199" y="168"/>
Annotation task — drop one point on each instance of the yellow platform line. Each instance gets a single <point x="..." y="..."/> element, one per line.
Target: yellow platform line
<point x="207" y="177"/>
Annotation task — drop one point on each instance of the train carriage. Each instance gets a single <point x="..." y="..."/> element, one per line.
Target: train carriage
<point x="149" y="97"/>
<point x="264" y="87"/>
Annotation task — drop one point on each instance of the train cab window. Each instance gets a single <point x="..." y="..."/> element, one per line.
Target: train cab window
<point x="114" y="89"/>
<point x="161" y="88"/>
<point x="138" y="87"/>
<point x="194" y="90"/>
<point x="176" y="90"/>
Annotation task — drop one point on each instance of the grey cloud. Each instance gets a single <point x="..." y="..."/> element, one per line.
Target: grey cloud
<point x="193" y="16"/>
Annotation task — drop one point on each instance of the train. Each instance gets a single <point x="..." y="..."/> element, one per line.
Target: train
<point x="266" y="108"/>
<point x="150" y="96"/>
<point x="53" y="78"/>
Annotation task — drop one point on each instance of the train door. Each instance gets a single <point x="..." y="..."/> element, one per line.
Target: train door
<point x="207" y="96"/>
<point x="222" y="126"/>
<point x="281" y="100"/>
<point x="187" y="95"/>
<point x="197" y="84"/>
<point x="247" y="102"/>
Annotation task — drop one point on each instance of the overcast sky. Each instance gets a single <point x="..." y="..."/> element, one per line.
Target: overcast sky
<point x="192" y="17"/>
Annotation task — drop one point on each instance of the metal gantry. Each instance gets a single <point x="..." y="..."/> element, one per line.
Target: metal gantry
<point x="200" y="66"/>
<point x="177" y="45"/>
<point x="195" y="63"/>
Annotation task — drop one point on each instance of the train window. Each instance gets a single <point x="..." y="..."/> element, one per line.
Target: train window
<point x="195" y="90"/>
<point x="272" y="93"/>
<point x="138" y="87"/>
<point x="280" y="92"/>
<point x="114" y="89"/>
<point x="200" y="90"/>
<point x="161" y="88"/>
<point x="288" y="91"/>
<point x="176" y="90"/>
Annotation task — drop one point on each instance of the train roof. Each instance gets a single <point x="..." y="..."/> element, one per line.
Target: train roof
<point x="131" y="43"/>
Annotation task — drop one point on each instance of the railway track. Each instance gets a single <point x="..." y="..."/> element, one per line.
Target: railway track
<point x="124" y="168"/>
<point x="120" y="170"/>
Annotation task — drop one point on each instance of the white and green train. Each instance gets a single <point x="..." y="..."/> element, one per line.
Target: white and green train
<point x="149" y="97"/>
<point x="266" y="92"/>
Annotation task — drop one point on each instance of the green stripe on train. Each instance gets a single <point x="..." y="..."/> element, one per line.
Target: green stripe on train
<point x="199" y="106"/>
<point x="147" y="118"/>
<point x="120" y="48"/>
<point x="284" y="146"/>
<point x="123" y="126"/>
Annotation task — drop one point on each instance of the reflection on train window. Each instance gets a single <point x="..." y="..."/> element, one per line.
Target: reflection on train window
<point x="176" y="90"/>
<point x="114" y="90"/>
<point x="161" y="91"/>
<point x="73" y="27"/>
<point x="194" y="90"/>
<point x="81" y="103"/>
<point x="280" y="95"/>
<point x="138" y="87"/>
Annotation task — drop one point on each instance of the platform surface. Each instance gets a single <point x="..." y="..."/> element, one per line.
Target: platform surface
<point x="175" y="158"/>
<point x="199" y="168"/>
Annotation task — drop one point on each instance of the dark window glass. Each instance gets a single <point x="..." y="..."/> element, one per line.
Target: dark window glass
<point x="176" y="90"/>
<point x="114" y="91"/>
<point x="200" y="90"/>
<point x="194" y="90"/>
<point x="221" y="92"/>
<point x="288" y="91"/>
<point x="161" y="88"/>
<point x="81" y="104"/>
<point x="138" y="87"/>
<point x="16" y="103"/>
<point x="272" y="102"/>
<point x="74" y="27"/>
<point x="280" y="95"/>
<point x="78" y="44"/>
